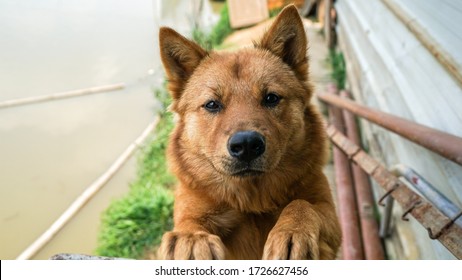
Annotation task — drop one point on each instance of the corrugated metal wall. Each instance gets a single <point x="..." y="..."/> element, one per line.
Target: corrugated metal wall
<point x="404" y="58"/>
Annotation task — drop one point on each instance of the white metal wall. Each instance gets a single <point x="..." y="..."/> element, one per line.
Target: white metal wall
<point x="389" y="69"/>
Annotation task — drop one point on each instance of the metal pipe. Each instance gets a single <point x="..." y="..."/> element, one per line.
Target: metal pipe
<point x="428" y="191"/>
<point x="446" y="145"/>
<point x="352" y="247"/>
<point x="437" y="224"/>
<point x="372" y="244"/>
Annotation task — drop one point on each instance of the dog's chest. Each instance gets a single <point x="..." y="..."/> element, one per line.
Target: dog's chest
<point x="247" y="239"/>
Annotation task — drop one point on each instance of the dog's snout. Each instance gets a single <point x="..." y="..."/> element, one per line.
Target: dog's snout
<point x="246" y="145"/>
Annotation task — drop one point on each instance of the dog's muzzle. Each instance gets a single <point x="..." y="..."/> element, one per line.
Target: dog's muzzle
<point x="246" y="145"/>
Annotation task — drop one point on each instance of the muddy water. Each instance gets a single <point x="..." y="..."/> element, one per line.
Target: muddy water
<point x="50" y="152"/>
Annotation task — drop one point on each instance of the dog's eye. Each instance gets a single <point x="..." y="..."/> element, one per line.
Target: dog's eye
<point x="271" y="99"/>
<point x="213" y="106"/>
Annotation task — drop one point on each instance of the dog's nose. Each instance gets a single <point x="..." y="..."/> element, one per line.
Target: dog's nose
<point x="246" y="145"/>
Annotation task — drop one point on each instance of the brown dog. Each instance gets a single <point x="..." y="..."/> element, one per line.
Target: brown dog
<point x="248" y="150"/>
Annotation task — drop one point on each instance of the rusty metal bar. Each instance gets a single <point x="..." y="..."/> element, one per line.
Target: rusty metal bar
<point x="446" y="145"/>
<point x="352" y="247"/>
<point x="437" y="224"/>
<point x="373" y="249"/>
<point x="428" y="191"/>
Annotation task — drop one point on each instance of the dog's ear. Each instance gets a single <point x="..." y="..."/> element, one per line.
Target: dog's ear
<point x="286" y="38"/>
<point x="180" y="57"/>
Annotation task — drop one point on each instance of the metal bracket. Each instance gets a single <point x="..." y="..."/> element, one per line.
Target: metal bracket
<point x="409" y="210"/>
<point x="392" y="189"/>
<point x="443" y="228"/>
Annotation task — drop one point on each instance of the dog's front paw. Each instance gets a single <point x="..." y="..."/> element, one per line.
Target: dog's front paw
<point x="191" y="246"/>
<point x="291" y="244"/>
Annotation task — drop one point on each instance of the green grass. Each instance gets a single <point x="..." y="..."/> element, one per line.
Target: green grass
<point x="337" y="62"/>
<point x="221" y="30"/>
<point x="218" y="34"/>
<point x="133" y="225"/>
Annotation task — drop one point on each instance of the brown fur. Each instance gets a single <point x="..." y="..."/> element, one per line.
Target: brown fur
<point x="284" y="212"/>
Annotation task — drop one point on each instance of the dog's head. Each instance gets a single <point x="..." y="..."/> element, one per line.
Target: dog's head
<point x="240" y="113"/>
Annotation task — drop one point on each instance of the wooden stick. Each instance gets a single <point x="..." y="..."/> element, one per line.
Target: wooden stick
<point x="62" y="95"/>
<point x="38" y="244"/>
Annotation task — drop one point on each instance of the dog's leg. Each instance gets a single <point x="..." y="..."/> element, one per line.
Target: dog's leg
<point x="199" y="245"/>
<point x="304" y="231"/>
<point x="296" y="233"/>
<point x="200" y="224"/>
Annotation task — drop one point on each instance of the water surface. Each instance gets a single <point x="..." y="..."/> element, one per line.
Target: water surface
<point x="50" y="152"/>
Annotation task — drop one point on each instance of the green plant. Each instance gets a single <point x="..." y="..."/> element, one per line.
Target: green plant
<point x="218" y="34"/>
<point x="338" y="66"/>
<point x="134" y="224"/>
<point x="201" y="39"/>
<point x="222" y="28"/>
<point x="274" y="12"/>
